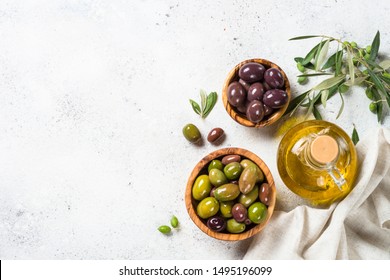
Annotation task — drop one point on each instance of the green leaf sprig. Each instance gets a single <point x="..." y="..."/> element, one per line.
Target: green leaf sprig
<point x="207" y="103"/>
<point x="349" y="66"/>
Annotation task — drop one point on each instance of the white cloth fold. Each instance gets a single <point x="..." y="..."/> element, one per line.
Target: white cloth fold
<point x="358" y="227"/>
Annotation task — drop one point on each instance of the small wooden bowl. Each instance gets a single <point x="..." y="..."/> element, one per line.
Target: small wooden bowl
<point x="201" y="168"/>
<point x="240" y="117"/>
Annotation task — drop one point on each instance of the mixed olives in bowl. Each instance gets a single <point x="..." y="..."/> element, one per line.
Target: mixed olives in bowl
<point x="230" y="194"/>
<point x="256" y="93"/>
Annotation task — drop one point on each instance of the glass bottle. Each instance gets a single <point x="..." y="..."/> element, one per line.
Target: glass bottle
<point x="317" y="160"/>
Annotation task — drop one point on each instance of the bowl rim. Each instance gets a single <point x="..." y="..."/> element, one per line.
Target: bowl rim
<point x="202" y="164"/>
<point x="239" y="117"/>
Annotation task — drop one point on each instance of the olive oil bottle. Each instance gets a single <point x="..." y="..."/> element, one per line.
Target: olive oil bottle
<point x="317" y="160"/>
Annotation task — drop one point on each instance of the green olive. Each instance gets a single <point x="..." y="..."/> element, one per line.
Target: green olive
<point x="201" y="188"/>
<point x="215" y="163"/>
<point x="373" y="107"/>
<point x="386" y="75"/>
<point x="207" y="207"/>
<point x="249" y="198"/>
<point x="302" y="80"/>
<point x="225" y="207"/>
<point x="174" y="222"/>
<point x="301" y="67"/>
<point x="353" y="44"/>
<point x="233" y="226"/>
<point x="368" y="49"/>
<point x="247" y="179"/>
<point x="257" y="212"/>
<point x="164" y="229"/>
<point x="260" y="175"/>
<point x="227" y="192"/>
<point x="233" y="170"/>
<point x="217" y="177"/>
<point x="343" y="88"/>
<point x="191" y="133"/>
<point x="369" y="94"/>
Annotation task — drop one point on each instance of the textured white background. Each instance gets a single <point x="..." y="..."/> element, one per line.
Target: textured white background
<point x="93" y="97"/>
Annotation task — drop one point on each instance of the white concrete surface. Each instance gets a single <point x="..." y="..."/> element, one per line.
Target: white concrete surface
<point x="93" y="97"/>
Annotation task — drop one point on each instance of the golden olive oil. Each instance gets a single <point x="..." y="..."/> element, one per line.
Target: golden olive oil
<point x="317" y="160"/>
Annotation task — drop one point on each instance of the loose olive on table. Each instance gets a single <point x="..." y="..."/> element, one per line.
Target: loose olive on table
<point x="227" y="195"/>
<point x="215" y="135"/>
<point x="191" y="133"/>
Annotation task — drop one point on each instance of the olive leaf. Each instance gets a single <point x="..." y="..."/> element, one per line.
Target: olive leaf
<point x="316" y="113"/>
<point x="341" y="107"/>
<point x="338" y="63"/>
<point x="378" y="100"/>
<point x="328" y="83"/>
<point x="332" y="92"/>
<point x="310" y="55"/>
<point x="315" y="74"/>
<point x="374" y="78"/>
<point x="308" y="65"/>
<point x="357" y="81"/>
<point x="203" y="98"/>
<point x="296" y="102"/>
<point x="324" y="97"/>
<point x="355" y="136"/>
<point x="351" y="67"/>
<point x="210" y="102"/>
<point x="375" y="46"/>
<point x="331" y="60"/>
<point x="385" y="64"/>
<point x="304" y="37"/>
<point x="195" y="106"/>
<point x="310" y="108"/>
<point x="321" y="55"/>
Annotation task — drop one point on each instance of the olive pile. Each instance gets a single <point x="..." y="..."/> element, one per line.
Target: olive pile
<point x="231" y="195"/>
<point x="258" y="92"/>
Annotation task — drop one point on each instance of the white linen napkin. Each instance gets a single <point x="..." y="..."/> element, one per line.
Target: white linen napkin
<point x="358" y="227"/>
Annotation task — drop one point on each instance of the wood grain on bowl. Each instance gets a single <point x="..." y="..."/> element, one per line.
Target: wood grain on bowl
<point x="240" y="117"/>
<point x="201" y="166"/>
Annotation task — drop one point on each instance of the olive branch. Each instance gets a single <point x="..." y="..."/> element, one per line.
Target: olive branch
<point x="349" y="66"/>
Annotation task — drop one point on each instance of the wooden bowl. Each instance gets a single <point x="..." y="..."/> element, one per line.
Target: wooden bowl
<point x="201" y="168"/>
<point x="240" y="117"/>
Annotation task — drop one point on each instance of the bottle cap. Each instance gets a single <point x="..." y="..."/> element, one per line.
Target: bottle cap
<point x="324" y="149"/>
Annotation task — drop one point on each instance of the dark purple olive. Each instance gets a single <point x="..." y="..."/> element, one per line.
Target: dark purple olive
<point x="251" y="72"/>
<point x="247" y="221"/>
<point x="230" y="158"/>
<point x="255" y="92"/>
<point x="239" y="212"/>
<point x="244" y="84"/>
<point x="236" y="94"/>
<point x="215" y="135"/>
<point x="267" y="110"/>
<point x="242" y="108"/>
<point x="274" y="78"/>
<point x="275" y="98"/>
<point x="266" y="86"/>
<point x="216" y="223"/>
<point x="265" y="193"/>
<point x="255" y="111"/>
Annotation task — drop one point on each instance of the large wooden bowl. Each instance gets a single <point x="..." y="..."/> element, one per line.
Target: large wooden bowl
<point x="240" y="117"/>
<point x="201" y="168"/>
